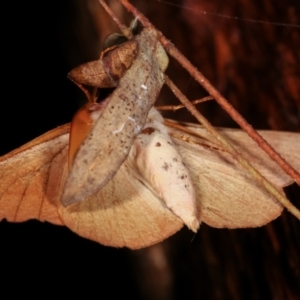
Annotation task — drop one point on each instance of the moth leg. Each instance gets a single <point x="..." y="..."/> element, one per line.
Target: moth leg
<point x="91" y="95"/>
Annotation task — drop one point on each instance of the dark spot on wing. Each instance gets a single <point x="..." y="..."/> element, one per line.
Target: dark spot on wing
<point x="148" y="130"/>
<point x="165" y="166"/>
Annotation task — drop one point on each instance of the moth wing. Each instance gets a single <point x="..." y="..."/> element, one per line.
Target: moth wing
<point x="228" y="195"/>
<point x="283" y="142"/>
<point x="123" y="213"/>
<point x="29" y="177"/>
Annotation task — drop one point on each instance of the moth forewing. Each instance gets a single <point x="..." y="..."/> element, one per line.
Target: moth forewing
<point x="282" y="141"/>
<point x="124" y="116"/>
<point x="25" y="189"/>
<point x="229" y="196"/>
<point x="125" y="213"/>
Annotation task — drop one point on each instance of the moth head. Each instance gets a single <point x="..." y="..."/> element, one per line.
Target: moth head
<point x="116" y="58"/>
<point x="115" y="39"/>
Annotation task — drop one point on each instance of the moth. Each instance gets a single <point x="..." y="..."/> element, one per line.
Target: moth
<point x="134" y="208"/>
<point x="126" y="212"/>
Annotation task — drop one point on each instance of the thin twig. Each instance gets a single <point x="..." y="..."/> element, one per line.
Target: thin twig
<point x="173" y="51"/>
<point x="127" y="32"/>
<point x="176" y="107"/>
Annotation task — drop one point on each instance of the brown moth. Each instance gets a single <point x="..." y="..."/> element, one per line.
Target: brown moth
<point x="123" y="117"/>
<point x="169" y="177"/>
<point x="128" y="213"/>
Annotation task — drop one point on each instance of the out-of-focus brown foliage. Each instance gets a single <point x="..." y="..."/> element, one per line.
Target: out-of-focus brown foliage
<point x="255" y="65"/>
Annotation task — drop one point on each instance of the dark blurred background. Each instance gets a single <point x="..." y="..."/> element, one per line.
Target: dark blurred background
<point x="255" y="65"/>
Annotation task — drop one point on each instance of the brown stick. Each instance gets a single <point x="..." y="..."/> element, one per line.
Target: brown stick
<point x="173" y="51"/>
<point x="125" y="30"/>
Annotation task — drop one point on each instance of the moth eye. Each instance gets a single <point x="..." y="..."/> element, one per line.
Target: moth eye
<point x="113" y="40"/>
<point x="116" y="39"/>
